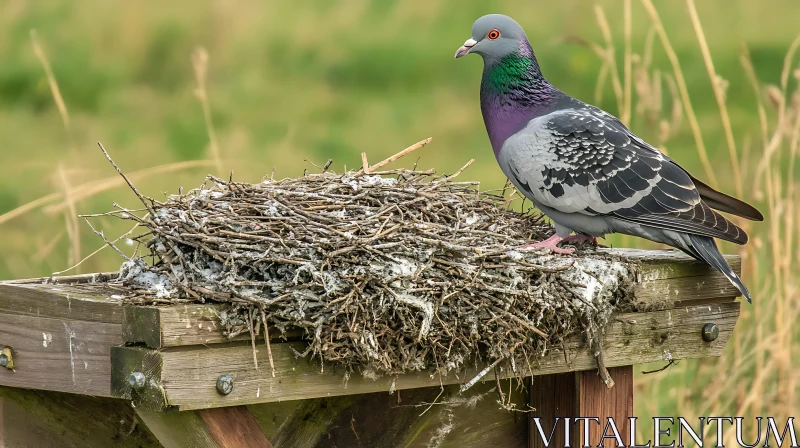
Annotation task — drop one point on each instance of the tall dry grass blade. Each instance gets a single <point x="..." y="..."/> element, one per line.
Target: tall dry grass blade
<point x="777" y="137"/>
<point x="200" y="67"/>
<point x="719" y="95"/>
<point x="46" y="249"/>
<point x="25" y="208"/>
<point x="608" y="55"/>
<point x="70" y="216"/>
<point x="602" y="76"/>
<point x="627" y="63"/>
<point x="684" y="91"/>
<point x="51" y="78"/>
<point x="747" y="64"/>
<point x="90" y="189"/>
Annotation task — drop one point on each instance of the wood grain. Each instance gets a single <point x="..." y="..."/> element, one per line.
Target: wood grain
<point x="61" y="337"/>
<point x="177" y="429"/>
<point x="234" y="427"/>
<point x="188" y="374"/>
<point x="597" y="400"/>
<point x="553" y="397"/>
<point x="174" y="326"/>
<point x="59" y="354"/>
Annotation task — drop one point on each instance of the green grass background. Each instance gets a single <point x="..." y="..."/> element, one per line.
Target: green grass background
<point x="317" y="79"/>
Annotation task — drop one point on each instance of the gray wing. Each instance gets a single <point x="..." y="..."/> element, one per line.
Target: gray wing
<point x="586" y="161"/>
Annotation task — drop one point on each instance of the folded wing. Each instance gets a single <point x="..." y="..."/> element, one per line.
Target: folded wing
<point x="588" y="162"/>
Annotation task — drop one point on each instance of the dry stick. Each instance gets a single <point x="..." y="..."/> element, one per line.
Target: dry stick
<point x="252" y="337"/>
<point x="98" y="250"/>
<point x="135" y="191"/>
<point x="461" y="170"/>
<point x="684" y="91"/>
<point x="266" y="340"/>
<point x="100" y="234"/>
<point x="402" y="153"/>
<point x="480" y="374"/>
<point x="597" y="350"/>
<point x="364" y="163"/>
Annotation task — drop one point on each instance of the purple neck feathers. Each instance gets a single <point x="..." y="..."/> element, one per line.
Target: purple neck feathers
<point x="513" y="92"/>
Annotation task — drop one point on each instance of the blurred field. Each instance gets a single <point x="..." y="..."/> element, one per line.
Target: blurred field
<point x="288" y="81"/>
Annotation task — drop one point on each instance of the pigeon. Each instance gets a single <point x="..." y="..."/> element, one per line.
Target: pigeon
<point x="583" y="168"/>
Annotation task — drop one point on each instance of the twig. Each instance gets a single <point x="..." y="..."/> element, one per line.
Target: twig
<point x="266" y="341"/>
<point x="98" y="250"/>
<point x="100" y="234"/>
<point x="402" y="153"/>
<point x="252" y="337"/>
<point x="671" y="362"/>
<point x="364" y="163"/>
<point x="481" y="374"/>
<point x="133" y="188"/>
<point x="461" y="170"/>
<point x="595" y="346"/>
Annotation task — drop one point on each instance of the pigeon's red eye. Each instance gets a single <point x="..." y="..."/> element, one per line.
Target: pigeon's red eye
<point x="493" y="34"/>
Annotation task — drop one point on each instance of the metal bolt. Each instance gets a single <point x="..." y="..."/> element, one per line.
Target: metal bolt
<point x="3" y="360"/>
<point x="225" y="384"/>
<point x="137" y="380"/>
<point x="710" y="332"/>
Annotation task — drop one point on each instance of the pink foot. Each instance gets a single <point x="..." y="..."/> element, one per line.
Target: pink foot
<point x="551" y="244"/>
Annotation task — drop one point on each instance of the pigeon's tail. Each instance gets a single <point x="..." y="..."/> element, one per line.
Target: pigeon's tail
<point x="705" y="249"/>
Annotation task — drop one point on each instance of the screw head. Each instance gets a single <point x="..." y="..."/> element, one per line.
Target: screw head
<point x="3" y="360"/>
<point x="137" y="380"/>
<point x="225" y="384"/>
<point x="710" y="332"/>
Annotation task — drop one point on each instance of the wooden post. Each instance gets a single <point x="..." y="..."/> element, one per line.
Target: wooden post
<point x="229" y="427"/>
<point x="234" y="427"/>
<point x="581" y="394"/>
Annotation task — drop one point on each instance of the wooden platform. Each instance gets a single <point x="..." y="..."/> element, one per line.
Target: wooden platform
<point x="77" y="337"/>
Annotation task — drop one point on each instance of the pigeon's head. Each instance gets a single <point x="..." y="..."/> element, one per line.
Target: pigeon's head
<point x="493" y="37"/>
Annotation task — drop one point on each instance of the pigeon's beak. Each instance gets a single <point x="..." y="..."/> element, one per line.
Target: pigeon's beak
<point x="464" y="49"/>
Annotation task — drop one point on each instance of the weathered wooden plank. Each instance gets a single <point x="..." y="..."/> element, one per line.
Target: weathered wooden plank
<point x="596" y="400"/>
<point x="32" y="418"/>
<point x="667" y="277"/>
<point x="89" y="302"/>
<point x="59" y="354"/>
<point x="174" y="326"/>
<point x="188" y="374"/>
<point x="61" y="336"/>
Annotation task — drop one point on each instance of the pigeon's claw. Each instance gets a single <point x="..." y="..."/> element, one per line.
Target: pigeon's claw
<point x="578" y="238"/>
<point x="551" y="244"/>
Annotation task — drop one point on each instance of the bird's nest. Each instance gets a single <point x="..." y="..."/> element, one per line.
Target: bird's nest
<point x="381" y="271"/>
